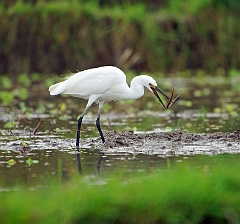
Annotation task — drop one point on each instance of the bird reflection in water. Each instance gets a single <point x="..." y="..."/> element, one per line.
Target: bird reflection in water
<point x="78" y="156"/>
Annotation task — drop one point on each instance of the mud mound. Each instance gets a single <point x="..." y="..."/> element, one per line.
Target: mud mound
<point x="175" y="143"/>
<point x="160" y="143"/>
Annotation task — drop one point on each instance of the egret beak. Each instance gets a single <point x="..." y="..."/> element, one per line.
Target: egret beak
<point x="170" y="103"/>
<point x="155" y="89"/>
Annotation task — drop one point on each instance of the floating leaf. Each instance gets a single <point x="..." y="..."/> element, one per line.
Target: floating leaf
<point x="11" y="162"/>
<point x="31" y="161"/>
<point x="35" y="161"/>
<point x="6" y="97"/>
<point x="58" y="130"/>
<point x="6" y="82"/>
<point x="9" y="124"/>
<point x="24" y="79"/>
<point x="25" y="144"/>
<point x="62" y="106"/>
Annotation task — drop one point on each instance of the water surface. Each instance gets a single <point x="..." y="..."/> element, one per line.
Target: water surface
<point x="211" y="105"/>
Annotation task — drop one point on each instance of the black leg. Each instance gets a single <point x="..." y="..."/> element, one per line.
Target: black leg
<point x="99" y="129"/>
<point x="79" y="162"/>
<point x="99" y="162"/>
<point x="78" y="131"/>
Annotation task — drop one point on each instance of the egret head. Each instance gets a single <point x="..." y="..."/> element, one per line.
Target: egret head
<point x="151" y="85"/>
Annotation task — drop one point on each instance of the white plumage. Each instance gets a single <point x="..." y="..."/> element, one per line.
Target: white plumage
<point x="106" y="83"/>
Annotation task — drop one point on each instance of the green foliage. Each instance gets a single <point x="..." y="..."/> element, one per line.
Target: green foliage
<point x="10" y="125"/>
<point x="58" y="36"/>
<point x="6" y="82"/>
<point x="24" y="80"/>
<point x="173" y="196"/>
<point x="6" y="97"/>
<point x="188" y="6"/>
<point x="233" y="5"/>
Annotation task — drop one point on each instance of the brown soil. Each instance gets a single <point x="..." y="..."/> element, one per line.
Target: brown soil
<point x="160" y="143"/>
<point x="175" y="143"/>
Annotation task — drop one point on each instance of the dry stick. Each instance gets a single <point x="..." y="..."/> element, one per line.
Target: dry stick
<point x="36" y="129"/>
<point x="170" y="101"/>
<point x="177" y="125"/>
<point x="109" y="123"/>
<point x="30" y="132"/>
<point x="170" y="98"/>
<point x="174" y="101"/>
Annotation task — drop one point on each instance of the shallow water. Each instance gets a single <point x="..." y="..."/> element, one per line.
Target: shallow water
<point x="206" y="107"/>
<point x="56" y="165"/>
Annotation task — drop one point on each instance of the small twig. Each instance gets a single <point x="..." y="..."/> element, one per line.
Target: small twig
<point x="36" y="128"/>
<point x="30" y="132"/>
<point x="170" y="101"/>
<point x="173" y="102"/>
<point x="109" y="123"/>
<point x="170" y="98"/>
<point x="177" y="128"/>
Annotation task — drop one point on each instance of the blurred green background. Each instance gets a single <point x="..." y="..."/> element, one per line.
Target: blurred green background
<point x="171" y="38"/>
<point x="56" y="36"/>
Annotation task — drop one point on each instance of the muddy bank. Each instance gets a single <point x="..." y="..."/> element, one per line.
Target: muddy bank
<point x="158" y="143"/>
<point x="168" y="143"/>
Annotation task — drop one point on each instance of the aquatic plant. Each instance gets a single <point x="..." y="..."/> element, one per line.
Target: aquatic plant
<point x="179" y="195"/>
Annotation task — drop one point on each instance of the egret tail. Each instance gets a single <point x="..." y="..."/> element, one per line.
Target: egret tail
<point x="57" y="88"/>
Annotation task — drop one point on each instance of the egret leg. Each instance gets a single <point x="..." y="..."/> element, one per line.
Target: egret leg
<point x="98" y="121"/>
<point x="79" y="162"/>
<point x="80" y="124"/>
<point x="78" y="131"/>
<point x="100" y="162"/>
<point x="99" y="128"/>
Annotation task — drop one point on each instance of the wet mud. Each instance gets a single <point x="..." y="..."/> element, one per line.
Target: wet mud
<point x="168" y="143"/>
<point x="159" y="143"/>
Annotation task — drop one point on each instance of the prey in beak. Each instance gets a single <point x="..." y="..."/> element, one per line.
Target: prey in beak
<point x="170" y="102"/>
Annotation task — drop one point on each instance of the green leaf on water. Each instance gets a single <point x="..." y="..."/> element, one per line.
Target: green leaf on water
<point x="58" y="130"/>
<point x="187" y="103"/>
<point x="25" y="144"/>
<point x="9" y="124"/>
<point x="31" y="161"/>
<point x="62" y="106"/>
<point x="6" y="97"/>
<point x="11" y="162"/>
<point x="24" y="79"/>
<point x="6" y="82"/>
<point x="23" y="93"/>
<point x="35" y="161"/>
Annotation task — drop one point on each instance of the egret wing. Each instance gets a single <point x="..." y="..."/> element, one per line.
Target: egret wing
<point x="94" y="81"/>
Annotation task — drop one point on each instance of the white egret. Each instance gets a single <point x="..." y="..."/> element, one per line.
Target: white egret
<point x="107" y="83"/>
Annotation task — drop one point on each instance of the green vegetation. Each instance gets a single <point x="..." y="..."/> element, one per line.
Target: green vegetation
<point x="186" y="38"/>
<point x="168" y="36"/>
<point x="181" y="194"/>
<point x="29" y="95"/>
